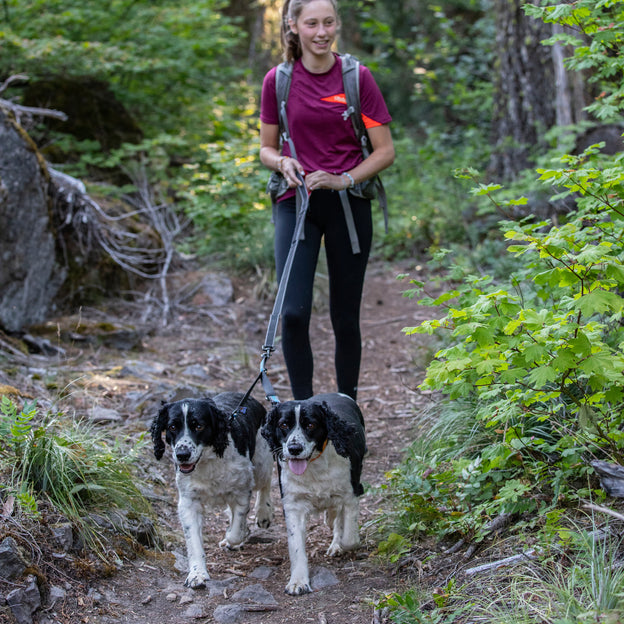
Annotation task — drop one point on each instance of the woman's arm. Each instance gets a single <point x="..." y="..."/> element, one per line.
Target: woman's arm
<point x="270" y="156"/>
<point x="381" y="157"/>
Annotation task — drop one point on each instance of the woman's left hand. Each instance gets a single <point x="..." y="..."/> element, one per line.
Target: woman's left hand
<point x="324" y="180"/>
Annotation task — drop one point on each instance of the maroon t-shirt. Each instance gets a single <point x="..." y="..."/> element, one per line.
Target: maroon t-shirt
<point x="323" y="138"/>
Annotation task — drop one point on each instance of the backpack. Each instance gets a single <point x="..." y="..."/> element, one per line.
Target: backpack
<point x="372" y="187"/>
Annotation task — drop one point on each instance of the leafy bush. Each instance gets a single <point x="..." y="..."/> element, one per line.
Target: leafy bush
<point x="531" y="365"/>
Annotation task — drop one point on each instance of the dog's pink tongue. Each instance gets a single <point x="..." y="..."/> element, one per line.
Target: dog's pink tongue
<point x="298" y="466"/>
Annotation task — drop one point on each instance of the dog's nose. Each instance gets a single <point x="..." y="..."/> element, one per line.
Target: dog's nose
<point x="295" y="448"/>
<point x="183" y="454"/>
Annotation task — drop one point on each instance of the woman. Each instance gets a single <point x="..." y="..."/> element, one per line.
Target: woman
<point x="330" y="159"/>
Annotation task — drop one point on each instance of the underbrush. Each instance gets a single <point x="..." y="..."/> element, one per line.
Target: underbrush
<point x="573" y="575"/>
<point x="53" y="466"/>
<point x="530" y="374"/>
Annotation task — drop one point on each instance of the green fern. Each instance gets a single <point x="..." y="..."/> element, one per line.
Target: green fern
<point x="16" y="428"/>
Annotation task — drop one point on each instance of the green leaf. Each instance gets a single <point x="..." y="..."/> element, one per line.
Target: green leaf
<point x="542" y="375"/>
<point x="598" y="302"/>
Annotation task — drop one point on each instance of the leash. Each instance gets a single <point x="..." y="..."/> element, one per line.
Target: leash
<point x="303" y="202"/>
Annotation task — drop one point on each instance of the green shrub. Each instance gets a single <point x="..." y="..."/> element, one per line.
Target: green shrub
<point x="69" y="465"/>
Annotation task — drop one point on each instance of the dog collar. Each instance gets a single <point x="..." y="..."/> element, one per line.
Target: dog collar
<point x="322" y="451"/>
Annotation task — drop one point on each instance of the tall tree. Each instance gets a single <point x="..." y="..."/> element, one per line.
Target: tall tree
<point x="525" y="89"/>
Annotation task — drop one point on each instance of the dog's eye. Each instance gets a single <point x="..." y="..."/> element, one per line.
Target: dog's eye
<point x="199" y="427"/>
<point x="172" y="428"/>
<point x="283" y="426"/>
<point x="310" y="426"/>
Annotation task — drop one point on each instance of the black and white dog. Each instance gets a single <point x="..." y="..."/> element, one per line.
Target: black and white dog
<point x="220" y="459"/>
<point x="319" y="445"/>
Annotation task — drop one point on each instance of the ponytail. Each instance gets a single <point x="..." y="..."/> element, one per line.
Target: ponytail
<point x="290" y="41"/>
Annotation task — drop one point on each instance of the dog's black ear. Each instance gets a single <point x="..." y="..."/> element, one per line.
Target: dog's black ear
<point x="218" y="420"/>
<point x="159" y="424"/>
<point x="340" y="432"/>
<point x="269" y="427"/>
<point x="349" y="442"/>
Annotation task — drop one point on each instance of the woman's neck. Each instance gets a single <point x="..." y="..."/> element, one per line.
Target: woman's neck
<point x="318" y="64"/>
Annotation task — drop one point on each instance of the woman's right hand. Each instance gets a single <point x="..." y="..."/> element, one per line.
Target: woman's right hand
<point x="289" y="167"/>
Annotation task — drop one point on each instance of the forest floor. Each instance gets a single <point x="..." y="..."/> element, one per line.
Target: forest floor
<point x="209" y="347"/>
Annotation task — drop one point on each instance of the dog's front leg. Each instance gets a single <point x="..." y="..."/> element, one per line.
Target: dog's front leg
<point x="191" y="518"/>
<point x="299" y="582"/>
<point x="351" y="529"/>
<point x="238" y="531"/>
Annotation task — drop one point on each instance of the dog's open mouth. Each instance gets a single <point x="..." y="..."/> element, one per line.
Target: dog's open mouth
<point x="186" y="468"/>
<point x="298" y="466"/>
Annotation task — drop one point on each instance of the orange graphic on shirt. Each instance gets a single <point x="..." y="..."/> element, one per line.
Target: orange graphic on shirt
<point x="341" y="98"/>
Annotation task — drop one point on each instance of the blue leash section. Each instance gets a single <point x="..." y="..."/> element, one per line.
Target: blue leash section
<point x="303" y="202"/>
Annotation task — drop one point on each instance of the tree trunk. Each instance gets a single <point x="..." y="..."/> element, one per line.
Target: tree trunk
<point x="525" y="90"/>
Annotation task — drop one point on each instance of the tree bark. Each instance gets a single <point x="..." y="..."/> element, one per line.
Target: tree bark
<point x="525" y="90"/>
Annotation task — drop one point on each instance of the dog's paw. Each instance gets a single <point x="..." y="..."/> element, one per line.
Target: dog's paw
<point x="264" y="518"/>
<point x="298" y="588"/>
<point x="334" y="550"/>
<point x="197" y="579"/>
<point x="227" y="545"/>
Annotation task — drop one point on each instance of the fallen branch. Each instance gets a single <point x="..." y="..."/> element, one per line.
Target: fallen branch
<point x="502" y="563"/>
<point x="605" y="510"/>
<point x="259" y="608"/>
<point x="31" y="111"/>
<point x="10" y="80"/>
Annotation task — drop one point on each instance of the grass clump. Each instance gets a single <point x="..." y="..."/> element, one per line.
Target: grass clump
<point x="46" y="458"/>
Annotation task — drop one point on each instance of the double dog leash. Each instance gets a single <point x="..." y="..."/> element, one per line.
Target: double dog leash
<point x="302" y="203"/>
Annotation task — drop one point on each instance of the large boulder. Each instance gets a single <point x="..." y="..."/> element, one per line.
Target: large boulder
<point x="30" y="275"/>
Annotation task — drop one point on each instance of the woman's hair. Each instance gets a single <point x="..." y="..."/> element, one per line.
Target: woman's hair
<point x="290" y="41"/>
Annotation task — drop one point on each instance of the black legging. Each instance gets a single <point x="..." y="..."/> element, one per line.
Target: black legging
<point x="346" y="270"/>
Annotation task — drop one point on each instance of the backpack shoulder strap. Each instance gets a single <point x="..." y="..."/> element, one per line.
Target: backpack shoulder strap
<point x="283" y="76"/>
<point x="351" y="84"/>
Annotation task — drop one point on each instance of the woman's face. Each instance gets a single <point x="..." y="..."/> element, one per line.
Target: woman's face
<point x="317" y="27"/>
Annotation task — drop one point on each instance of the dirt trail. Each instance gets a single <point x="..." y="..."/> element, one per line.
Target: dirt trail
<point x="224" y="346"/>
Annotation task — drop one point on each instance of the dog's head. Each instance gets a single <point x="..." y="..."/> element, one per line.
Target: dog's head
<point x="298" y="432"/>
<point x="190" y="425"/>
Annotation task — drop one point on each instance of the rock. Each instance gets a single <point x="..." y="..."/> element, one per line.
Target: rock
<point x="322" y="577"/>
<point x="611" y="477"/>
<point x="30" y="276"/>
<point x="142" y="370"/>
<point x="217" y="588"/>
<point x="214" y="289"/>
<point x="255" y="594"/>
<point x="229" y="614"/>
<point x="195" y="612"/>
<point x="262" y="573"/>
<point x="12" y="566"/>
<point x="24" y="601"/>
<point x="57" y="594"/>
<point x="63" y="535"/>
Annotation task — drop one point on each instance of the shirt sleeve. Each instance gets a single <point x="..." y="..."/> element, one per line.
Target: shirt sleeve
<point x="268" y="99"/>
<point x="374" y="109"/>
